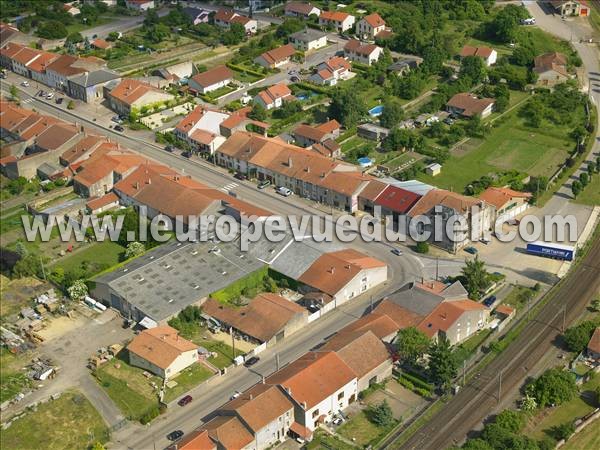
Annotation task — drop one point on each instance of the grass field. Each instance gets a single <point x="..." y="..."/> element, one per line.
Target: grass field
<point x="517" y="298"/>
<point x="591" y="193"/>
<point x="360" y="430"/>
<point x="541" y="424"/>
<point x="188" y="379"/>
<point x="324" y="441"/>
<point x="509" y="146"/>
<point x="71" y="422"/>
<point x="588" y="438"/>
<point x="12" y="377"/>
<point x="224" y="351"/>
<point x="93" y="259"/>
<point x="128" y="388"/>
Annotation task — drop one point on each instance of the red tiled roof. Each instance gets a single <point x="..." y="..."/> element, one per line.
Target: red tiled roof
<point x="99" y="202"/>
<point x="446" y="314"/>
<point x="397" y="199"/>
<point x="469" y="103"/>
<point x="298" y="7"/>
<point x="453" y="200"/>
<point x="594" y="344"/>
<point x="160" y="345"/>
<point x="336" y="16"/>
<point x="551" y="61"/>
<point x="213" y="76"/>
<point x="483" y="52"/>
<point x="279" y="54"/>
<point x="374" y="20"/>
<point x="500" y="196"/>
<point x="129" y="90"/>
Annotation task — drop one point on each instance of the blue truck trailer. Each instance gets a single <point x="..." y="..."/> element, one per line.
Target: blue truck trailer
<point x="552" y="250"/>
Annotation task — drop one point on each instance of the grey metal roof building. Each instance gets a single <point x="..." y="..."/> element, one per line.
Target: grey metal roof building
<point x="170" y="277"/>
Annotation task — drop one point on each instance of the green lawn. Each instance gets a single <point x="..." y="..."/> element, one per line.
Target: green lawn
<point x="245" y="77"/>
<point x="71" y="422"/>
<point x="128" y="388"/>
<point x="10" y="223"/>
<point x="517" y="298"/>
<point x="591" y="193"/>
<point x="578" y="407"/>
<point x="589" y="438"/>
<point x="509" y="146"/>
<point x="224" y="351"/>
<point x="95" y="258"/>
<point x="360" y="430"/>
<point x="188" y="379"/>
<point x="324" y="441"/>
<point x="12" y="378"/>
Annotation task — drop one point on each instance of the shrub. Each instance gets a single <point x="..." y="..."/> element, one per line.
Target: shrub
<point x="149" y="415"/>
<point x="422" y="247"/>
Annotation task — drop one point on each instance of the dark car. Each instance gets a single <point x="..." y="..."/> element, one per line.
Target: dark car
<point x="184" y="400"/>
<point x="240" y="176"/>
<point x="471" y="250"/>
<point x="251" y="361"/>
<point x="169" y="148"/>
<point x="294" y="79"/>
<point x="489" y="301"/>
<point x="263" y="184"/>
<point x="187" y="154"/>
<point x="119" y="128"/>
<point x="59" y="100"/>
<point x="174" y="435"/>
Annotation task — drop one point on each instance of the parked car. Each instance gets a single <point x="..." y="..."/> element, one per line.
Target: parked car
<point x="528" y="21"/>
<point x="59" y="100"/>
<point x="41" y="93"/>
<point x="240" y="176"/>
<point x="448" y="120"/>
<point x="235" y="395"/>
<point x="169" y="148"/>
<point x="25" y="83"/>
<point x="337" y="420"/>
<point x="263" y="184"/>
<point x="50" y="95"/>
<point x="471" y="250"/>
<point x="117" y="119"/>
<point x="282" y="190"/>
<point x="119" y="128"/>
<point x="251" y="361"/>
<point x="175" y="435"/>
<point x="490" y="301"/>
<point x="187" y="154"/>
<point x="397" y="252"/>
<point x="185" y="400"/>
<point x="294" y="79"/>
<point x="484" y="240"/>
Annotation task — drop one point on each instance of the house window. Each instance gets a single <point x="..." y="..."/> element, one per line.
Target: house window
<point x="341" y="395"/>
<point x="315" y="413"/>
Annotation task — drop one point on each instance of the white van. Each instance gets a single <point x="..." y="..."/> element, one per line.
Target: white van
<point x="281" y="190"/>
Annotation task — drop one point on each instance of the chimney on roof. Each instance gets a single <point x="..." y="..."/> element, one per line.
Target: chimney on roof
<point x="303" y="405"/>
<point x="444" y="315"/>
<point x="263" y="379"/>
<point x="322" y="174"/>
<point x="149" y="180"/>
<point x="288" y="390"/>
<point x="332" y="270"/>
<point x="307" y="169"/>
<point x="136" y="185"/>
<point x="289" y="163"/>
<point x="251" y="396"/>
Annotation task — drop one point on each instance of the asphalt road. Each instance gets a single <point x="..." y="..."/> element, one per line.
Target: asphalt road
<point x="479" y="397"/>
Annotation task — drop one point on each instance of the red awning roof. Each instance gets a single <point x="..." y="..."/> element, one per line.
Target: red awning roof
<point x="300" y="430"/>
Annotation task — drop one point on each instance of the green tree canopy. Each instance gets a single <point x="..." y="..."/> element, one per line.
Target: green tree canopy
<point x="411" y="344"/>
<point x="347" y="107"/>
<point x="553" y="387"/>
<point x="475" y="276"/>
<point x="443" y="365"/>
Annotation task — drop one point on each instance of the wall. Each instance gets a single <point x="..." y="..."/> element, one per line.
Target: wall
<point x="330" y="405"/>
<point x="184" y="360"/>
<point x="140" y="362"/>
<point x="380" y="372"/>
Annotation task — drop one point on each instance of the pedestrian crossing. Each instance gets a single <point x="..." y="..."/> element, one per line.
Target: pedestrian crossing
<point x="27" y="100"/>
<point x="229" y="187"/>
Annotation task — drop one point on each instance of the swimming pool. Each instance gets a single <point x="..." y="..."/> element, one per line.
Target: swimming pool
<point x="376" y="111"/>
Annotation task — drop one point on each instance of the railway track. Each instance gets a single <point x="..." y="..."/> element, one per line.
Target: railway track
<point x="510" y="369"/>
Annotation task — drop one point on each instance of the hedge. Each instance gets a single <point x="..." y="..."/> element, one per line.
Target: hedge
<point x="245" y="70"/>
<point x="417" y="381"/>
<point x="313" y="87"/>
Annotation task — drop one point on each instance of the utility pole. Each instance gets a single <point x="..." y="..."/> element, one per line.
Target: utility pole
<point x="42" y="264"/>
<point x="371" y="307"/>
<point x="528" y="308"/>
<point x="499" y="385"/>
<point x="464" y="371"/>
<point x="437" y="268"/>
<point x="277" y="360"/>
<point x="564" y="320"/>
<point x="232" y="342"/>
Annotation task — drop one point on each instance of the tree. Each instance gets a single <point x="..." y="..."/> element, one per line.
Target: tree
<point x="288" y="109"/>
<point x="74" y="38"/>
<point x="528" y="403"/>
<point x="595" y="305"/>
<point x="151" y="18"/>
<point x="52" y="29"/>
<point x="511" y="420"/>
<point x="289" y="26"/>
<point x="381" y="414"/>
<point x="584" y="179"/>
<point x="579" y="133"/>
<point x="563" y="431"/>
<point x="21" y="249"/>
<point x="392" y="114"/>
<point x="477" y="444"/>
<point x="112" y="36"/>
<point x="553" y="387"/>
<point x="402" y="139"/>
<point x="234" y="35"/>
<point x="411" y="344"/>
<point x="28" y="266"/>
<point x="590" y="168"/>
<point x="98" y="446"/>
<point x="71" y="104"/>
<point x="14" y="92"/>
<point x="258" y="112"/>
<point x="475" y="127"/>
<point x="473" y="68"/>
<point x="347" y="107"/>
<point x="475" y="276"/>
<point x="134" y="249"/>
<point x="422" y="247"/>
<point x="443" y="366"/>
<point x="504" y="27"/>
<point x="576" y="188"/>
<point x="578" y="336"/>
<point x="78" y="290"/>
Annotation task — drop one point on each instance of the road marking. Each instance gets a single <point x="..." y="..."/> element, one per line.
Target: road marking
<point x="27" y="100"/>
<point x="229" y="187"/>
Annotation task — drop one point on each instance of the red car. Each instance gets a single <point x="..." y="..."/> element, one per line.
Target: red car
<point x="185" y="400"/>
